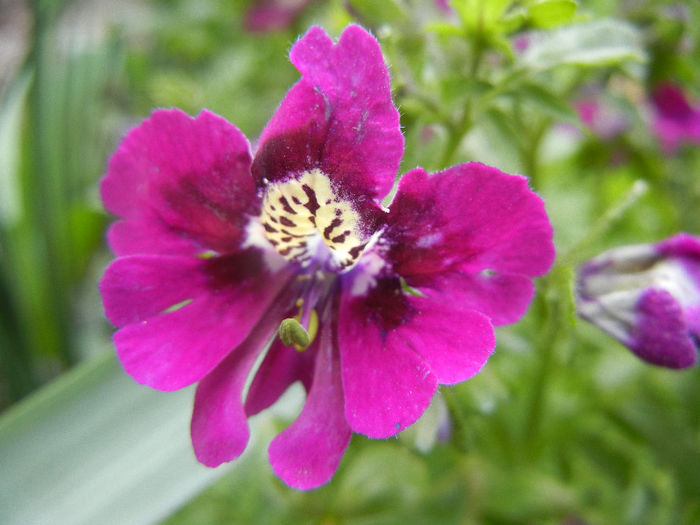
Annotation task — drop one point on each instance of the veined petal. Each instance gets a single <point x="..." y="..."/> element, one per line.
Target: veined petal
<point x="338" y="118"/>
<point x="470" y="217"/>
<point x="307" y="453"/>
<point x="175" y="177"/>
<point x="177" y="348"/>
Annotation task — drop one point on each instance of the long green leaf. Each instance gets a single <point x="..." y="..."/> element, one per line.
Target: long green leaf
<point x="95" y="447"/>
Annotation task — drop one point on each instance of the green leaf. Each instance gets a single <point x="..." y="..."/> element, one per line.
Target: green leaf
<point x="552" y="13"/>
<point x="95" y="447"/>
<point x="599" y="43"/>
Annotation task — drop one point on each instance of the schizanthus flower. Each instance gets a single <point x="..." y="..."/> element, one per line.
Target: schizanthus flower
<point x="647" y="296"/>
<point x="675" y="120"/>
<point x="373" y="307"/>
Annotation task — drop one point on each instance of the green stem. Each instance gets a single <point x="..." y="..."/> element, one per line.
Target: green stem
<point x="553" y="311"/>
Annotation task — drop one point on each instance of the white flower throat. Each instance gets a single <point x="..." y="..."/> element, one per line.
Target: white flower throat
<point x="299" y="213"/>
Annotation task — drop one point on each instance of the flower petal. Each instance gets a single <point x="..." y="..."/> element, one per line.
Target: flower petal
<point x="454" y="342"/>
<point x="503" y="298"/>
<point x="137" y="287"/>
<point x="219" y="424"/>
<point x="387" y="384"/>
<point x="282" y="366"/>
<point x="175" y="349"/>
<point x="660" y="335"/>
<point x="307" y="453"/>
<point x="178" y="177"/>
<point x="469" y="217"/>
<point x="339" y="117"/>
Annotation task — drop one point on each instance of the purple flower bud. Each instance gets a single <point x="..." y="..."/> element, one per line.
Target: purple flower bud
<point x="646" y="296"/>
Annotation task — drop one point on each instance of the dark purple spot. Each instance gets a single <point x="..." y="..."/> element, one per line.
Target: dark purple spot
<point x="312" y="204"/>
<point x="286" y="239"/>
<point x="285" y="205"/>
<point x="269" y="228"/>
<point x="232" y="269"/>
<point x="287" y="222"/>
<point x="340" y="239"/>
<point x="328" y="229"/>
<point x="357" y="250"/>
<point x="387" y="305"/>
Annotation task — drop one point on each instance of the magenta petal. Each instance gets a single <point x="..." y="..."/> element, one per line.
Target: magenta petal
<point x="502" y="298"/>
<point x="219" y="424"/>
<point x="175" y="349"/>
<point x="307" y="453"/>
<point x="455" y="343"/>
<point x="146" y="237"/>
<point x="469" y="217"/>
<point x="387" y="384"/>
<point x="176" y="177"/>
<point x="339" y="117"/>
<point x="282" y="366"/>
<point x="137" y="287"/>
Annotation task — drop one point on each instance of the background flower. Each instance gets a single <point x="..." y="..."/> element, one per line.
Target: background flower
<point x="647" y="297"/>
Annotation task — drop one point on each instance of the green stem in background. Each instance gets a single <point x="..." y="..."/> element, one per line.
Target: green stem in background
<point x="459" y="129"/>
<point x="579" y="251"/>
<point x="552" y="311"/>
<point x="456" y="409"/>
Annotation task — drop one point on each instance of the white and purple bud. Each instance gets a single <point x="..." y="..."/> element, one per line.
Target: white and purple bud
<point x="647" y="296"/>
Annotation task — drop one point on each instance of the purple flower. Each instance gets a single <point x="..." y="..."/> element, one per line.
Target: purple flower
<point x="647" y="296"/>
<point x="675" y="120"/>
<point x="374" y="307"/>
<point x="273" y="15"/>
<point x="603" y="119"/>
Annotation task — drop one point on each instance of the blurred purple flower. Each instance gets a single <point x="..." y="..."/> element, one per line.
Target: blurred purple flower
<point x="603" y="119"/>
<point x="676" y="121"/>
<point x="273" y="15"/>
<point x="218" y="253"/>
<point x="647" y="296"/>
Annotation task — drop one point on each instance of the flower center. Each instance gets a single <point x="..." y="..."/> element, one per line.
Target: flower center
<point x="306" y="221"/>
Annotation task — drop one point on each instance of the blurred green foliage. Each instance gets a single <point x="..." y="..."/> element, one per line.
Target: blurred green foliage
<point x="563" y="425"/>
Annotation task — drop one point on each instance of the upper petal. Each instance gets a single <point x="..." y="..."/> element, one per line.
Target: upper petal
<point x="176" y="178"/>
<point x="470" y="217"/>
<point x="339" y="117"/>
